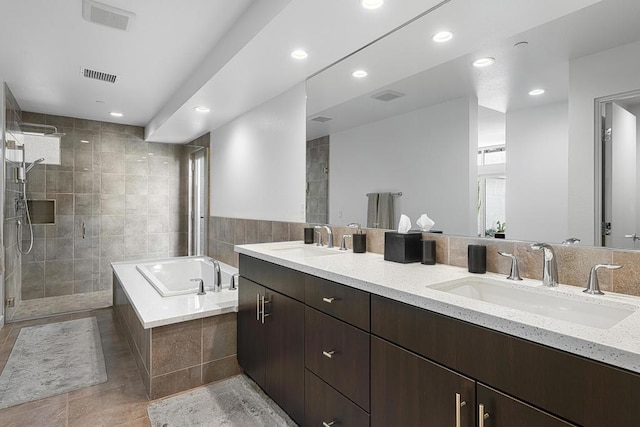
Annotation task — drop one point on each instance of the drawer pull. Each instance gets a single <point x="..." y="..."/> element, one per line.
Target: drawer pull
<point x="481" y="415"/>
<point x="328" y="354"/>
<point x="326" y="424"/>
<point x="459" y="404"/>
<point x="328" y="300"/>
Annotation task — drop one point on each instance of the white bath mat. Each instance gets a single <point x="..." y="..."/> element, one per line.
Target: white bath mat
<point x="234" y="402"/>
<point x="52" y="359"/>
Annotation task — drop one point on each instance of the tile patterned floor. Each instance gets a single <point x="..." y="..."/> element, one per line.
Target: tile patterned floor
<point x="121" y="401"/>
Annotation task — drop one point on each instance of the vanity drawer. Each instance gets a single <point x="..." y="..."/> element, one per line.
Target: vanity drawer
<point x="276" y="277"/>
<point x="325" y="405"/>
<point x="339" y="354"/>
<point x="343" y="302"/>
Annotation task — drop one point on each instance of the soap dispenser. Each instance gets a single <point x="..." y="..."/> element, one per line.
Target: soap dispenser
<point x="359" y="239"/>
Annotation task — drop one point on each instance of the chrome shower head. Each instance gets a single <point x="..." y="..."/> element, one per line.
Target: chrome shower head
<point x="28" y="168"/>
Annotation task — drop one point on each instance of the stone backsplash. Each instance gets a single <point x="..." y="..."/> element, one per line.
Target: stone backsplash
<point x="574" y="261"/>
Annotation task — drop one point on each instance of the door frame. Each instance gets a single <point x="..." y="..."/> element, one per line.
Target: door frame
<point x="598" y="126"/>
<point x="193" y="201"/>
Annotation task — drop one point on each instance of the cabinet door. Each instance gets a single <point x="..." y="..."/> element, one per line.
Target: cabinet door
<point x="251" y="332"/>
<point x="501" y="410"/>
<point x="284" y="353"/>
<point x="408" y="390"/>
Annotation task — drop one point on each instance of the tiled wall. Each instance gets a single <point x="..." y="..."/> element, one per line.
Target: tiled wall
<point x="318" y="180"/>
<point x="117" y="196"/>
<point x="181" y="356"/>
<point x="574" y="262"/>
<point x="12" y="266"/>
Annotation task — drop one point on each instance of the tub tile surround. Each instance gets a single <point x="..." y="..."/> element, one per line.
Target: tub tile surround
<point x="574" y="261"/>
<point x="177" y="357"/>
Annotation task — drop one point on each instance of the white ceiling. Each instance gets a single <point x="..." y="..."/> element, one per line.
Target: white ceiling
<point x="431" y="73"/>
<point x="228" y="55"/>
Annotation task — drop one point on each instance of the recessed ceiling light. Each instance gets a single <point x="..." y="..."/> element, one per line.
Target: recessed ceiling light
<point x="484" y="62"/>
<point x="536" y="92"/>
<point x="521" y="44"/>
<point x="84" y="141"/>
<point x="442" y="36"/>
<point x="371" y="4"/>
<point x="116" y="114"/>
<point x="299" y="54"/>
<point x="359" y="74"/>
<point x="202" y="109"/>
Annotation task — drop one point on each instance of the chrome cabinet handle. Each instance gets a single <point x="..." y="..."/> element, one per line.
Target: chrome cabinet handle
<point x="328" y="354"/>
<point x="263" y="302"/>
<point x="326" y="424"/>
<point x="459" y="404"/>
<point x="258" y="307"/>
<point x="328" y="300"/>
<point x="481" y="415"/>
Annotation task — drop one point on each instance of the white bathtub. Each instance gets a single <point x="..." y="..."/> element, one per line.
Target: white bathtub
<point x="173" y="276"/>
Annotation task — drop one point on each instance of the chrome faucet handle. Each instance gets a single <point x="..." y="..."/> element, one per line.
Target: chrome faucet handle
<point x="233" y="284"/>
<point x="329" y="236"/>
<point x="593" y="286"/>
<point x="343" y="243"/>
<point x="318" y="233"/>
<point x="200" y="286"/>
<point x="514" y="274"/>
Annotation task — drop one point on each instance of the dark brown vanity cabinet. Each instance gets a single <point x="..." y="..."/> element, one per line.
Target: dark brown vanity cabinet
<point x="271" y="342"/>
<point x="409" y="390"/>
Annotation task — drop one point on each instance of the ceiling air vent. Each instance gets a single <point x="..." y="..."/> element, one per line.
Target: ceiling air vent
<point x="98" y="75"/>
<point x="387" y="95"/>
<point x="109" y="16"/>
<point x="321" y="119"/>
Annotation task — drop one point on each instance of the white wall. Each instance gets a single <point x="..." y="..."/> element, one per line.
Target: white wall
<point x="425" y="154"/>
<point x="537" y="177"/>
<point x="605" y="73"/>
<point x="258" y="162"/>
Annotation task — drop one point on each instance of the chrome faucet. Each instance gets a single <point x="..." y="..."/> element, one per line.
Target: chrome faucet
<point x="318" y="233"/>
<point x="200" y="286"/>
<point x="217" y="282"/>
<point x="329" y="235"/>
<point x="593" y="287"/>
<point x="550" y="266"/>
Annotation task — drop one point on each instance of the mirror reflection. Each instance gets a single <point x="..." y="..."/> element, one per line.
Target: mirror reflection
<point x="507" y="148"/>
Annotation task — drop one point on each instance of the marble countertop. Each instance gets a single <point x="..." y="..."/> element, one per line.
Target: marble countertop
<point x="154" y="310"/>
<point x="409" y="283"/>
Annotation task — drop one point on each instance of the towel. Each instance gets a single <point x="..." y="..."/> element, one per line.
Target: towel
<point x="385" y="211"/>
<point x="372" y="210"/>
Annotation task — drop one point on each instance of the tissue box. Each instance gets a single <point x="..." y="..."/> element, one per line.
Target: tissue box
<point x="402" y="247"/>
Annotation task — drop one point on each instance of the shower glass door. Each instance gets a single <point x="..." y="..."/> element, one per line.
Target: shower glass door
<point x="198" y="201"/>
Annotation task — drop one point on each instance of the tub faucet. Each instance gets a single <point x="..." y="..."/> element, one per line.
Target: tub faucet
<point x="550" y="266"/>
<point x="217" y="282"/>
<point x="200" y="286"/>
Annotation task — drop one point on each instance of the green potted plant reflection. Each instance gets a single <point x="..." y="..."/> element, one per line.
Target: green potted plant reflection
<point x="500" y="230"/>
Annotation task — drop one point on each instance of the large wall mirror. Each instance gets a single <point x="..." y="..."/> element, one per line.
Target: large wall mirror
<point x="473" y="144"/>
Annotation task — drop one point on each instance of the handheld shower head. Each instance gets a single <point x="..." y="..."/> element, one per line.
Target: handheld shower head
<point x="28" y="168"/>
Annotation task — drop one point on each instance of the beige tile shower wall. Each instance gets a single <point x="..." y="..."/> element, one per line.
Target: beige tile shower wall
<point x="574" y="262"/>
<point x="117" y="197"/>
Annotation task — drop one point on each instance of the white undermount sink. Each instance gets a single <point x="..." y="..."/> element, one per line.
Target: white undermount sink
<point x="301" y="250"/>
<point x="579" y="309"/>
